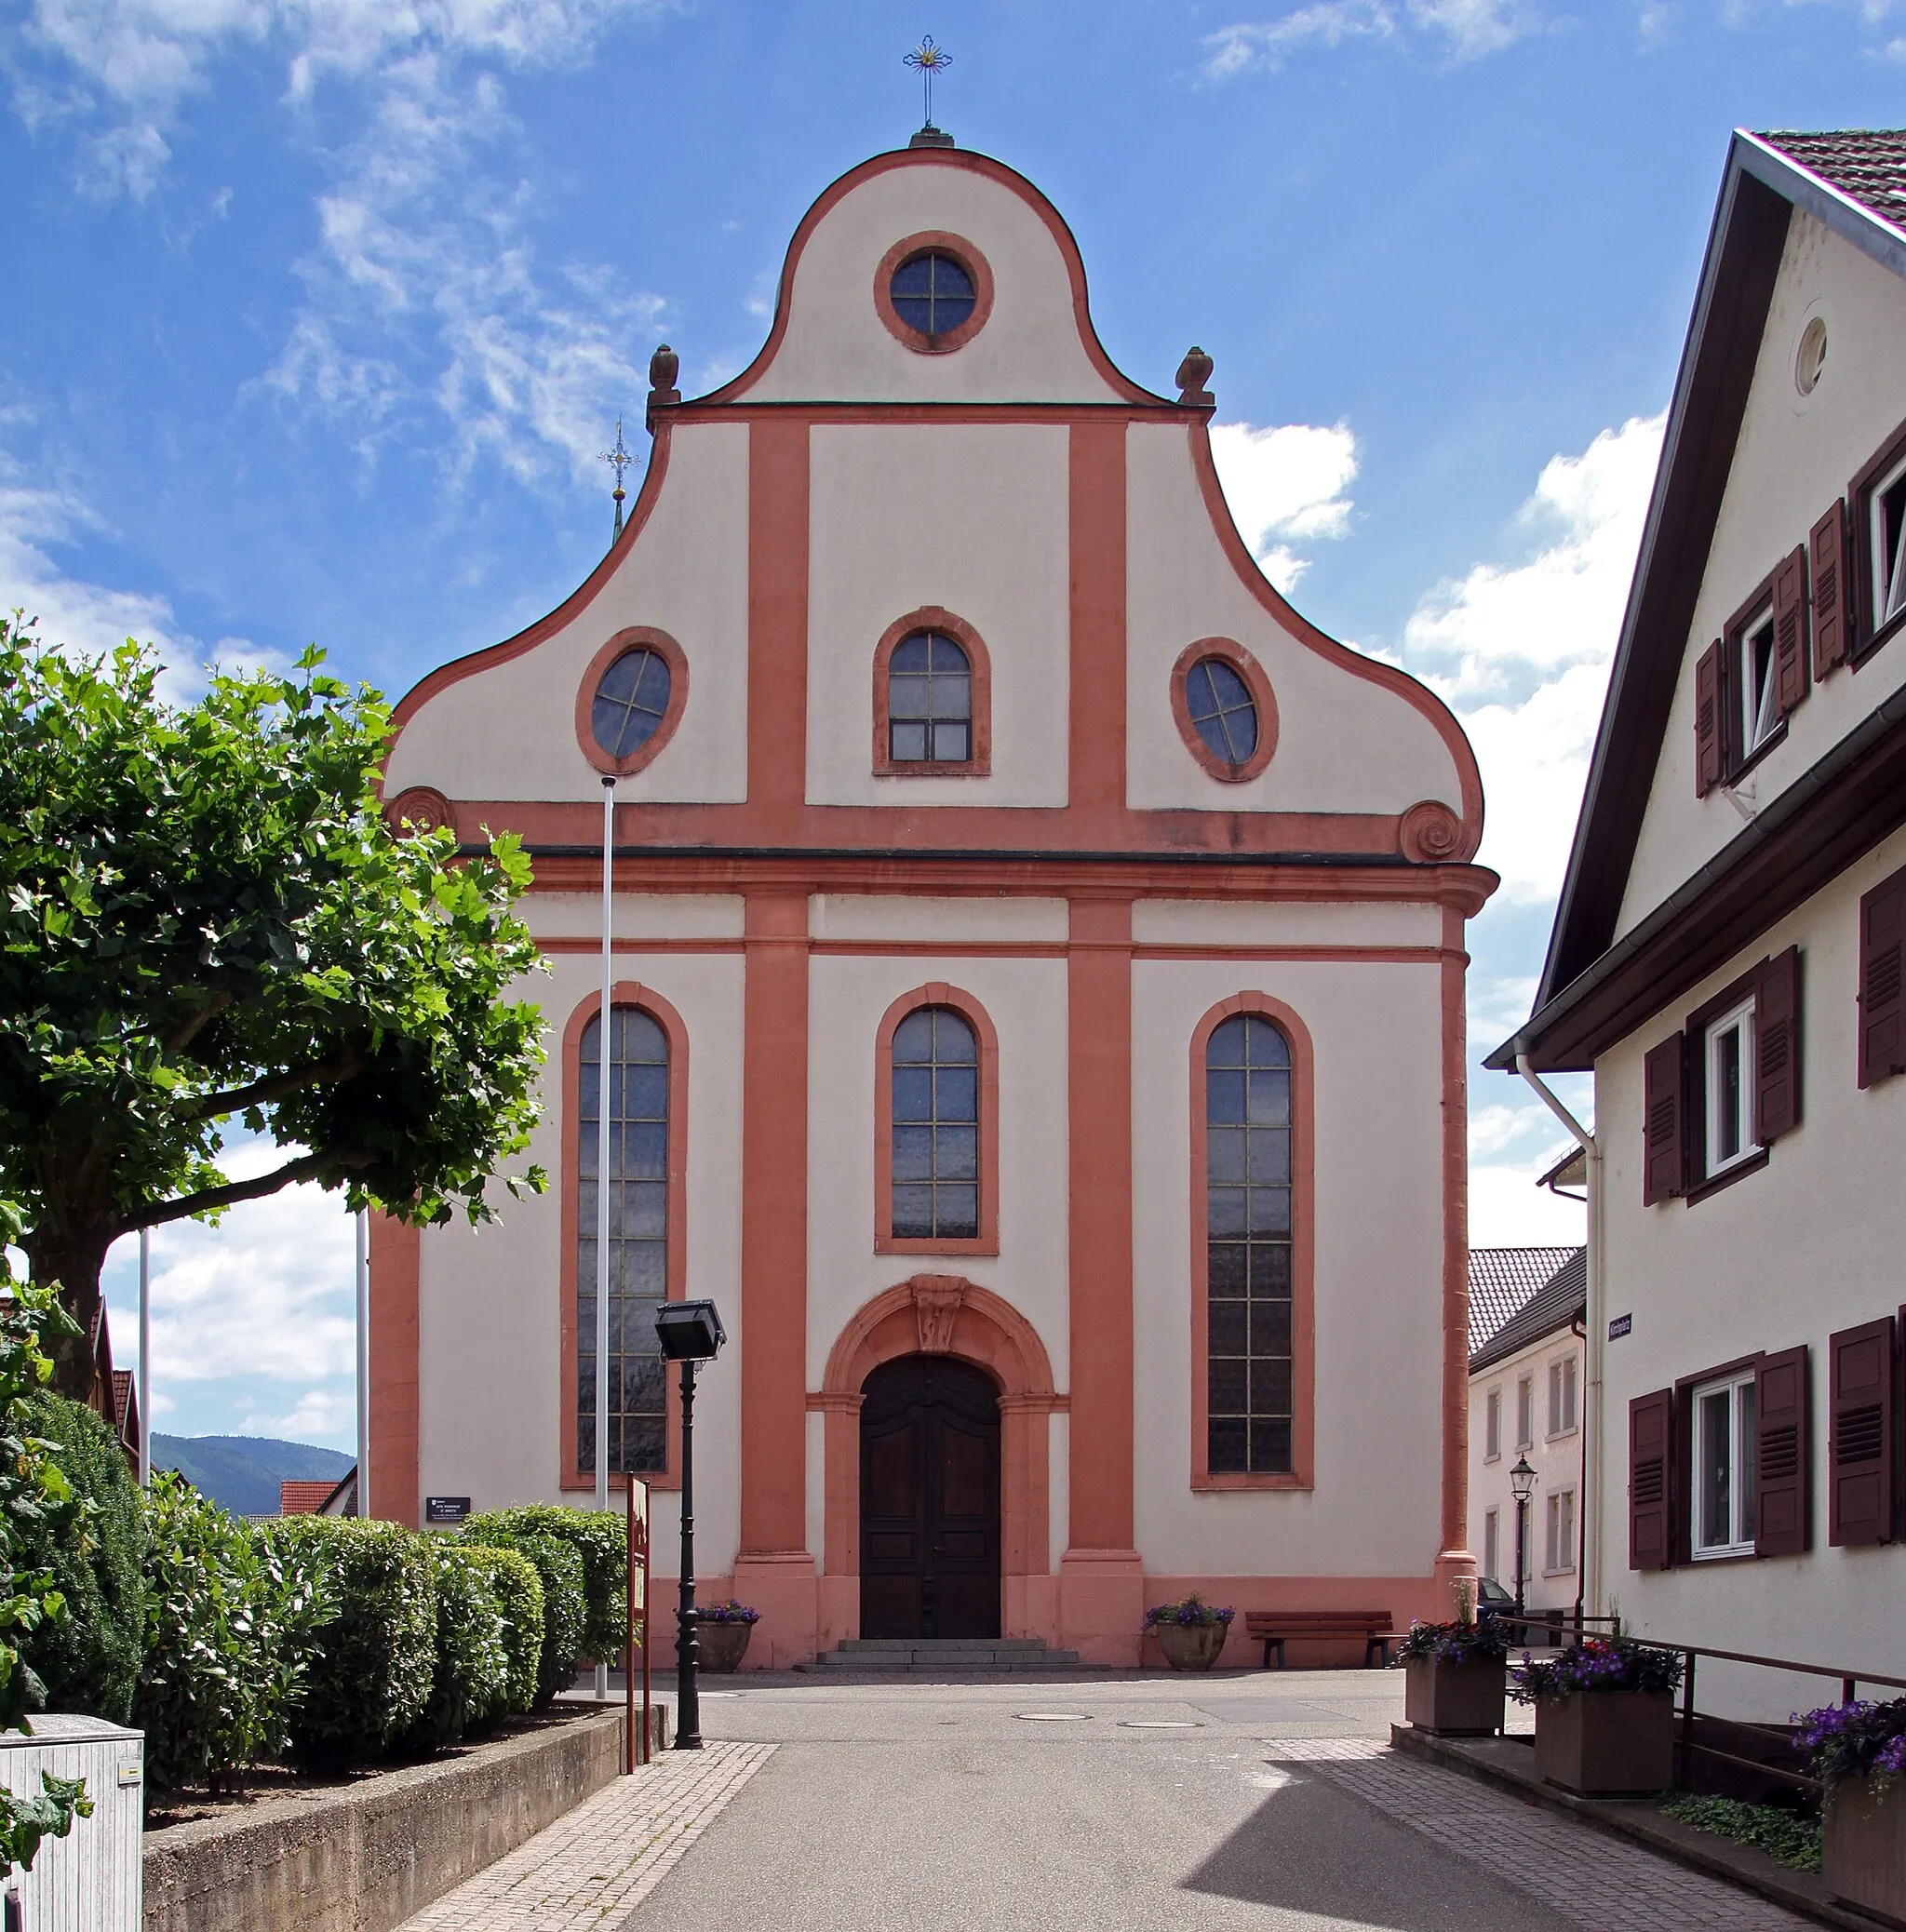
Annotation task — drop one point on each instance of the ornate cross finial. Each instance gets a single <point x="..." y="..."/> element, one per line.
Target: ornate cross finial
<point x="931" y="60"/>
<point x="619" y="458"/>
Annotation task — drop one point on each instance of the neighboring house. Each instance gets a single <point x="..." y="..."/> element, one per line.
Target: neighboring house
<point x="1727" y="953"/>
<point x="112" y="1397"/>
<point x="1031" y="937"/>
<point x="323" y="1497"/>
<point x="1526" y="1398"/>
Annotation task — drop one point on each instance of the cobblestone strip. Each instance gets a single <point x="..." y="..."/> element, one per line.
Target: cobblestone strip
<point x="1597" y="1881"/>
<point x="590" y="1870"/>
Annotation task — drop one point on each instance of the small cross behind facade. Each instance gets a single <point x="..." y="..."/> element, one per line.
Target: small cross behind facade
<point x="620" y="460"/>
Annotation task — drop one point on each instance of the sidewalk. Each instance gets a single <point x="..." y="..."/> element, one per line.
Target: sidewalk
<point x="590" y="1869"/>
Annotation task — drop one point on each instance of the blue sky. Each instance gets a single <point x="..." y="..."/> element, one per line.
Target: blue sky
<point x="321" y="311"/>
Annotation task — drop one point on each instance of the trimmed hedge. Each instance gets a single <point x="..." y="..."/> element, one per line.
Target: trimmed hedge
<point x="470" y="1683"/>
<point x="560" y="1570"/>
<point x="375" y="1666"/>
<point x="518" y="1591"/>
<point x="601" y="1540"/>
<point x="90" y="1659"/>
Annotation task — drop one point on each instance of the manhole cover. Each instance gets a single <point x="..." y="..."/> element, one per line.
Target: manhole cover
<point x="1053" y="1717"/>
<point x="1158" y="1724"/>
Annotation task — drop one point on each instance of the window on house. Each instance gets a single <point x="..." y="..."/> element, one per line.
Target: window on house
<point x="1728" y="1089"/>
<point x="1491" y="1542"/>
<point x="1562" y="1396"/>
<point x="1558" y="1543"/>
<point x="1222" y="710"/>
<point x="1492" y="1426"/>
<point x="932" y="293"/>
<point x="1525" y="1412"/>
<point x="929" y="701"/>
<point x="935" y="1127"/>
<point x="637" y="1238"/>
<point x="1724" y="1467"/>
<point x="1885" y="544"/>
<point x="1249" y="1386"/>
<point x="1751" y="680"/>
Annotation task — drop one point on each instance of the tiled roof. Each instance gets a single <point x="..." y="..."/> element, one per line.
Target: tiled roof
<point x="1560" y="1300"/>
<point x="1503" y="1279"/>
<point x="1866" y="163"/>
<point x="122" y="1399"/>
<point x="302" y="1499"/>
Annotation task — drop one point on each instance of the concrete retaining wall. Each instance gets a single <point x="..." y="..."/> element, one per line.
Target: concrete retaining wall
<point x="363" y="1858"/>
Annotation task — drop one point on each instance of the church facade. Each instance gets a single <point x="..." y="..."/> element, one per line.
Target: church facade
<point x="1037" y="1014"/>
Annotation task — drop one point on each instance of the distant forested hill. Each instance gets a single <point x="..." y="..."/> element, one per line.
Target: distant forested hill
<point x="243" y="1473"/>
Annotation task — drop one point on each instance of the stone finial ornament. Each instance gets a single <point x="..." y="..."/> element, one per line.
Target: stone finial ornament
<point x="1194" y="372"/>
<point x="664" y="366"/>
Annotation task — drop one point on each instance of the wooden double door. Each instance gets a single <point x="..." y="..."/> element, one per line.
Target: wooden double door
<point x="928" y="1501"/>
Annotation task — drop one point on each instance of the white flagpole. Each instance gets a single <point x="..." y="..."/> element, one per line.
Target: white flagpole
<point x="363" y="1363"/>
<point x="145" y="1355"/>
<point x="602" y="1104"/>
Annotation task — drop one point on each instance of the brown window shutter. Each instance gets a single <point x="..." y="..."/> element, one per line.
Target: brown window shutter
<point x="1776" y="1047"/>
<point x="1881" y="1010"/>
<point x="1827" y="547"/>
<point x="1862" y="1391"/>
<point x="1650" y="1447"/>
<point x="1664" y="1129"/>
<point x="1781" y="1526"/>
<point x="1707" y="721"/>
<point x="1790" y="631"/>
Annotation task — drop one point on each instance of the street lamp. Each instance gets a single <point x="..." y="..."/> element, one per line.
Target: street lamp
<point x="690" y="1332"/>
<point x="1522" y="1484"/>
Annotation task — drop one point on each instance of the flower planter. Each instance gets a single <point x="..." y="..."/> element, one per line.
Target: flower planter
<point x="1863" y="1847"/>
<point x="1191" y="1646"/>
<point x="1606" y="1743"/>
<point x="1455" y="1700"/>
<point x="723" y="1645"/>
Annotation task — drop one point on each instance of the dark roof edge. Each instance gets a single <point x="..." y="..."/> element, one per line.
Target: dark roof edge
<point x="1849" y="217"/>
<point x="1494" y="1350"/>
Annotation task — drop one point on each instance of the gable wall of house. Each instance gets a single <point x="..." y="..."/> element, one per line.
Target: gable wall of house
<point x="1794" y="456"/>
<point x="1555" y="1457"/>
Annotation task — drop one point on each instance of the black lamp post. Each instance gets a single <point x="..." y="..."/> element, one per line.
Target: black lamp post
<point x="690" y="1332"/>
<point x="1522" y="1484"/>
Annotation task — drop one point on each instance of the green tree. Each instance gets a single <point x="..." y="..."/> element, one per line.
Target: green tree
<point x="205" y="916"/>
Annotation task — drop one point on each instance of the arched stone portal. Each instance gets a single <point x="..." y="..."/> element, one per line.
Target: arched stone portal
<point x="944" y="1315"/>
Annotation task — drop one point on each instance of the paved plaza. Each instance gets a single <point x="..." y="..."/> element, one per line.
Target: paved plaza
<point x="1242" y="1803"/>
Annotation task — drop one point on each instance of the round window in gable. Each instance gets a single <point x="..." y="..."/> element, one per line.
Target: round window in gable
<point x="933" y="292"/>
<point x="1224" y="710"/>
<point x="1811" y="358"/>
<point x="631" y="700"/>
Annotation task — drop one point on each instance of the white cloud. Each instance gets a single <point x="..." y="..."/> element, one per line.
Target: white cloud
<point x="1285" y="483"/>
<point x="1476" y="27"/>
<point x="1506" y="1209"/>
<point x="1467" y="29"/>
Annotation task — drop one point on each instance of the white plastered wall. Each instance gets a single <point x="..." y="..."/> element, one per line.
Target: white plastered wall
<point x="1794" y="456"/>
<point x="489" y="1311"/>
<point x="970" y="516"/>
<point x="1026" y="1000"/>
<point x="1345" y="743"/>
<point x="837" y="349"/>
<point x="509" y="731"/>
<point x="1784" y="1256"/>
<point x="1376" y="1031"/>
<point x="1557" y="1460"/>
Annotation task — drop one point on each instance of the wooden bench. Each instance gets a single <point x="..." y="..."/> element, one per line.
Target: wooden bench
<point x="1272" y="1628"/>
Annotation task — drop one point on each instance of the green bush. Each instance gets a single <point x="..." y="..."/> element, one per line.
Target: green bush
<point x="470" y="1683"/>
<point x="1779" y="1832"/>
<point x="519" y="1590"/>
<point x="376" y="1661"/>
<point x="88" y="1659"/>
<point x="229" y="1626"/>
<point x="601" y="1540"/>
<point x="560" y="1570"/>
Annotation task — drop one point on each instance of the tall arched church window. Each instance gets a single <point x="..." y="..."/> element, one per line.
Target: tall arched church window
<point x="638" y="1238"/>
<point x="1248" y="1225"/>
<point x="935" y="1127"/>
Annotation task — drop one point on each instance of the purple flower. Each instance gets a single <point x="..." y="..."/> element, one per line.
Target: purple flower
<point x="1860" y="1740"/>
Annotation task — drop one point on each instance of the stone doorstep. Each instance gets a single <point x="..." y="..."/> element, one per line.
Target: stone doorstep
<point x="1508" y="1764"/>
<point x="342" y="1858"/>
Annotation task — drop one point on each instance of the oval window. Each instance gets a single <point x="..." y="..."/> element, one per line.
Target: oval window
<point x="1223" y="711"/>
<point x="630" y="702"/>
<point x="932" y="293"/>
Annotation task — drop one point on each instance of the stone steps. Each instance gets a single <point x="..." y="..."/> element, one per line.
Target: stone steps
<point x="939" y="1655"/>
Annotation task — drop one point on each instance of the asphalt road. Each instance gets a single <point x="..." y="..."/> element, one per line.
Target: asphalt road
<point x="1137" y="1804"/>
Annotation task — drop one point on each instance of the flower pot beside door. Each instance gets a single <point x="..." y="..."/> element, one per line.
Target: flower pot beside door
<point x="1604" y="1716"/>
<point x="722" y="1633"/>
<point x="1859" y="1755"/>
<point x="1455" y="1676"/>
<point x="1191" y="1633"/>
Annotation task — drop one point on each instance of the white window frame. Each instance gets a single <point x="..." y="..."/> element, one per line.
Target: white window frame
<point x="1524" y="1412"/>
<point x="1707" y="1541"/>
<point x="1492" y="1544"/>
<point x="1758" y="695"/>
<point x="1739" y="1019"/>
<point x="1492" y="1426"/>
<point x="1559" y="1532"/>
<point x="1888" y="571"/>
<point x="1563" y="1408"/>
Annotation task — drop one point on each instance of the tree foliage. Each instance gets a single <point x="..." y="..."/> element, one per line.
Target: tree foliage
<point x="206" y="917"/>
